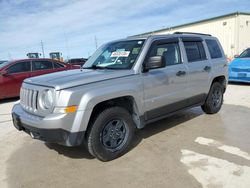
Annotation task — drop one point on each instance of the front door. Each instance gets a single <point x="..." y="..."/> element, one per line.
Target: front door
<point x="164" y="88"/>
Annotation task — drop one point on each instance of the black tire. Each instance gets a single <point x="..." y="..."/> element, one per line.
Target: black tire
<point x="110" y="134"/>
<point x="214" y="99"/>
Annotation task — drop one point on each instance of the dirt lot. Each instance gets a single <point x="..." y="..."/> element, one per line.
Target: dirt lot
<point x="189" y="149"/>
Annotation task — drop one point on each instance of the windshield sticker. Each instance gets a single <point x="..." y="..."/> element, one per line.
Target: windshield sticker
<point x="139" y="42"/>
<point x="120" y="54"/>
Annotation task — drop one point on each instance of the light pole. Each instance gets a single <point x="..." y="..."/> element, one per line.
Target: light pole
<point x="42" y="49"/>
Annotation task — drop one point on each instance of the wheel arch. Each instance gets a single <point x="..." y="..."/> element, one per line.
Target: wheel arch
<point x="222" y="80"/>
<point x="128" y="102"/>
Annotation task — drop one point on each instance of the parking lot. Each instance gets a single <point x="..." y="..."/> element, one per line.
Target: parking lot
<point x="189" y="149"/>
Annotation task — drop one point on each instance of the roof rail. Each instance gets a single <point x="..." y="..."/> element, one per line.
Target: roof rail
<point x="191" y="33"/>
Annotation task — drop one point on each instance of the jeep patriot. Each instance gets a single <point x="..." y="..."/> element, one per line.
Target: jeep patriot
<point x="125" y="85"/>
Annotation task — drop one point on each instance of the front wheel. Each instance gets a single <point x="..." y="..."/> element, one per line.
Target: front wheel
<point x="214" y="99"/>
<point x="111" y="133"/>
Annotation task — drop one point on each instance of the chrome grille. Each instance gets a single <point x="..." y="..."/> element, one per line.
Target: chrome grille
<point x="241" y="69"/>
<point x="29" y="99"/>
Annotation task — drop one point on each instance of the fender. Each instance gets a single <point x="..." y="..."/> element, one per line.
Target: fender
<point x="90" y="99"/>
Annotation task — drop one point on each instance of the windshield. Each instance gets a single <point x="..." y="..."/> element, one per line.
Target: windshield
<point x="116" y="55"/>
<point x="245" y="54"/>
<point x="3" y="63"/>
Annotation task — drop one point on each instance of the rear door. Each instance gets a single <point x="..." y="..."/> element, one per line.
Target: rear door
<point x="199" y="68"/>
<point x="217" y="57"/>
<point x="13" y="80"/>
<point x="165" y="88"/>
<point x="40" y="67"/>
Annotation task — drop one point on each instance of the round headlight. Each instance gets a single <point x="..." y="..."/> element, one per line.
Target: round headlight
<point x="47" y="99"/>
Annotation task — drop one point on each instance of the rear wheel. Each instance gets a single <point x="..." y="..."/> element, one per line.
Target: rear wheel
<point x="214" y="99"/>
<point x="111" y="133"/>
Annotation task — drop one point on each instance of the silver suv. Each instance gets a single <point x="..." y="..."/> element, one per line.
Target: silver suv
<point x="125" y="85"/>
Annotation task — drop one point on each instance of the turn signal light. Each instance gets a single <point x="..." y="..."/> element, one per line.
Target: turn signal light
<point x="70" y="109"/>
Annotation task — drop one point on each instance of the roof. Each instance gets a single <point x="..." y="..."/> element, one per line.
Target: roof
<point x="197" y="22"/>
<point x="167" y="36"/>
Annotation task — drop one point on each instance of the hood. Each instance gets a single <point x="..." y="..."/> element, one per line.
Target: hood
<point x="240" y="63"/>
<point x="72" y="78"/>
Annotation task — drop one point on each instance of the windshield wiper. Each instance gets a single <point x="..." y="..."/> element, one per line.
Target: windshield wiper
<point x="94" y="67"/>
<point x="100" y="67"/>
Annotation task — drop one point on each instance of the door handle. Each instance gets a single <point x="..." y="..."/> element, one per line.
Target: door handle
<point x="180" y="73"/>
<point x="207" y="68"/>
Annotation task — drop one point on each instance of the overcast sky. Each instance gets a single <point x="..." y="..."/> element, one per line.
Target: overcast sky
<point x="70" y="26"/>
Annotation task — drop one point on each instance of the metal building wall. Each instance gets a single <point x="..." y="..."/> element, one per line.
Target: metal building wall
<point x="244" y="32"/>
<point x="232" y="31"/>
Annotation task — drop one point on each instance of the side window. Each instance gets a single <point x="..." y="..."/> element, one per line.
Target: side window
<point x="42" y="65"/>
<point x="19" y="67"/>
<point x="170" y="52"/>
<point x="213" y="49"/>
<point x="58" y="65"/>
<point x="195" y="51"/>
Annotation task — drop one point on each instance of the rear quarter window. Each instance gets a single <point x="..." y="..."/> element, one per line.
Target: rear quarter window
<point x="213" y="48"/>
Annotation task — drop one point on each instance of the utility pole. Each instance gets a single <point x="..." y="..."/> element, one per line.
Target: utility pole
<point x="96" y="44"/>
<point x="42" y="49"/>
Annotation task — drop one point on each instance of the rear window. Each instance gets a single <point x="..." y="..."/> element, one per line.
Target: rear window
<point x="213" y="48"/>
<point x="195" y="51"/>
<point x="58" y="65"/>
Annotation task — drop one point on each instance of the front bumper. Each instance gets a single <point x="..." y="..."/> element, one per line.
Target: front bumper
<point x="23" y="122"/>
<point x="237" y="77"/>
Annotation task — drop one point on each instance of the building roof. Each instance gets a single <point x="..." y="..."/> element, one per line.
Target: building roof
<point x="197" y="22"/>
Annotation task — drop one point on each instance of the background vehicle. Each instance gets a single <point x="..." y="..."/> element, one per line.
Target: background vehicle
<point x="12" y="73"/>
<point x="76" y="61"/>
<point x="56" y="56"/>
<point x="33" y="55"/>
<point x="125" y="85"/>
<point x="239" y="68"/>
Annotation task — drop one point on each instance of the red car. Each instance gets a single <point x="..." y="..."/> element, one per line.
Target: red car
<point x="12" y="73"/>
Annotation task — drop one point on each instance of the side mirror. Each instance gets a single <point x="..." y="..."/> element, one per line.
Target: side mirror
<point x="236" y="56"/>
<point x="154" y="63"/>
<point x="4" y="73"/>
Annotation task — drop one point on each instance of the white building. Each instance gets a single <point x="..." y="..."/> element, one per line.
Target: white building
<point x="233" y="31"/>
